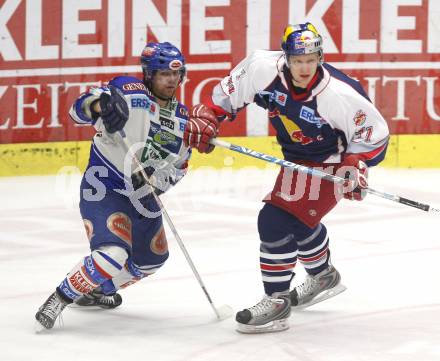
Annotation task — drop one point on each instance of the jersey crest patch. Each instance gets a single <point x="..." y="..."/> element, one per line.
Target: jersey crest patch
<point x="280" y="98"/>
<point x="359" y="118"/>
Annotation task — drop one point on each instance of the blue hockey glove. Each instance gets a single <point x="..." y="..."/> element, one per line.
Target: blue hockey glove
<point x="114" y="109"/>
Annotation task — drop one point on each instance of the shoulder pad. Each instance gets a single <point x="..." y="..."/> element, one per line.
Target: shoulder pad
<point x="129" y="84"/>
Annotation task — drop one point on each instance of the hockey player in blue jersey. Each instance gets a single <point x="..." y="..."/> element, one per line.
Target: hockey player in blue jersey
<point x="322" y="118"/>
<point x="123" y="221"/>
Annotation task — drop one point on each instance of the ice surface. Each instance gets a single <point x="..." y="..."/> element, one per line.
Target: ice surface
<point x="388" y="255"/>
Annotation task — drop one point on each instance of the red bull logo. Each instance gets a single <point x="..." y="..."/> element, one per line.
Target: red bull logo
<point x="148" y="51"/>
<point x="298" y="136"/>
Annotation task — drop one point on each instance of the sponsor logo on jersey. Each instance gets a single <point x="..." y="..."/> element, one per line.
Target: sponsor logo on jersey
<point x="164" y="138"/>
<point x="167" y="123"/>
<point x="280" y="98"/>
<point x="80" y="283"/>
<point x="298" y="136"/>
<point x="120" y="225"/>
<point x="134" y="86"/>
<point x="296" y="133"/>
<point x="240" y="74"/>
<point x="88" y="263"/>
<point x="308" y="115"/>
<point x="230" y="85"/>
<point x="154" y="128"/>
<point x="359" y="118"/>
<point x="182" y="125"/>
<point x="144" y="103"/>
<point x="274" y="113"/>
<point x="153" y="151"/>
<point x="67" y="290"/>
<point x="159" y="244"/>
<point x="183" y="111"/>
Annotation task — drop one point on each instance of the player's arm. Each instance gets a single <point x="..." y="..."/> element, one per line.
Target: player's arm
<point x="105" y="106"/>
<point x="163" y="174"/>
<point x="83" y="109"/>
<point x="367" y="135"/>
<point x="228" y="97"/>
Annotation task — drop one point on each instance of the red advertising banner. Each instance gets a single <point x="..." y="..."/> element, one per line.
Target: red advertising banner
<point x="52" y="50"/>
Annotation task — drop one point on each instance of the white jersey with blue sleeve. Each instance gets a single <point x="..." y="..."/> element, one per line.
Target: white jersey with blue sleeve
<point x="155" y="133"/>
<point x="334" y="116"/>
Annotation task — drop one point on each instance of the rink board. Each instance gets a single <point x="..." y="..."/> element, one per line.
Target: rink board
<point x="404" y="151"/>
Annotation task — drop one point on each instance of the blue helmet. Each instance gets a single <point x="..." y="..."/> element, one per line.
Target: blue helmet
<point x="302" y="39"/>
<point x="162" y="56"/>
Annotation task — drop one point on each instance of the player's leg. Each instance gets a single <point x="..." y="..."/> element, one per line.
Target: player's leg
<point x="323" y="280"/>
<point x="278" y="255"/>
<point x="108" y="227"/>
<point x="149" y="251"/>
<point x="105" y="296"/>
<point x="101" y="265"/>
<point x="148" y="237"/>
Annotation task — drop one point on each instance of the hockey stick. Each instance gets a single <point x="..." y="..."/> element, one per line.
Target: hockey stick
<point x="318" y="173"/>
<point x="221" y="312"/>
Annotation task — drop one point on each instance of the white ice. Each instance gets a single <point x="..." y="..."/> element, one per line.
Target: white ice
<point x="388" y="255"/>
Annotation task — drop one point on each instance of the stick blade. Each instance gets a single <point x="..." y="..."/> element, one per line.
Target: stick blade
<point x="224" y="312"/>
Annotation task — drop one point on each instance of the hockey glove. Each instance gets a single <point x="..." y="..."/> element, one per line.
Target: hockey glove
<point x="356" y="171"/>
<point x="201" y="127"/>
<point x="161" y="176"/>
<point x="114" y="109"/>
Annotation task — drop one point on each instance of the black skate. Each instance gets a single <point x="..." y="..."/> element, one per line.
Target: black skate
<point x="97" y="298"/>
<point x="49" y="311"/>
<point x="317" y="288"/>
<point x="268" y="315"/>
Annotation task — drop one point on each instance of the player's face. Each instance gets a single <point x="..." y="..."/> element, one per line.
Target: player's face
<point x="165" y="83"/>
<point x="303" y="68"/>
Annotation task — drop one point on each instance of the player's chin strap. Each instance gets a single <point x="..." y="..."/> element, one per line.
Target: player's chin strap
<point x="318" y="173"/>
<point x="128" y="146"/>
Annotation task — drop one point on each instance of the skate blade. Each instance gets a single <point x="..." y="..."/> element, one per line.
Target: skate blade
<point x="332" y="292"/>
<point x="223" y="312"/>
<point x="273" y="326"/>
<point x="89" y="307"/>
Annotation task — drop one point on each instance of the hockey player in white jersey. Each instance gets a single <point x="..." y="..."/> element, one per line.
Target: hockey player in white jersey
<point x="322" y="118"/>
<point x="123" y="221"/>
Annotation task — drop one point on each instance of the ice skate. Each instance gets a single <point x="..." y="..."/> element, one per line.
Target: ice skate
<point x="269" y="315"/>
<point x="97" y="298"/>
<point x="318" y="288"/>
<point x="49" y="312"/>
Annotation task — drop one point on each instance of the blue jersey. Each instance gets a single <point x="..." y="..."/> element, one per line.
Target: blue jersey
<point x="155" y="133"/>
<point x="333" y="116"/>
